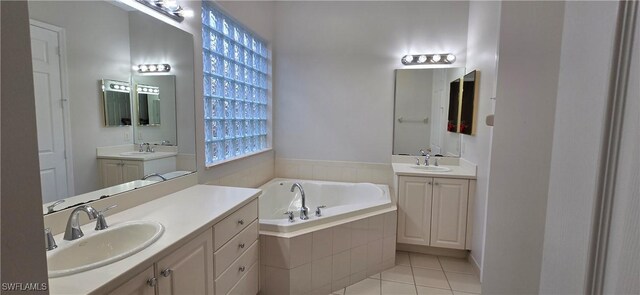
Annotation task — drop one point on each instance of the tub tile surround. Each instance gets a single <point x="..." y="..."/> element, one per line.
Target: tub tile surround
<point x="329" y="259"/>
<point x="252" y="177"/>
<point x="377" y="173"/>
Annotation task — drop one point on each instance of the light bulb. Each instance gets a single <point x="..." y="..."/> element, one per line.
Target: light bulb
<point x="171" y="5"/>
<point x="451" y="57"/>
<point x="135" y="68"/>
<point x="152" y="68"/>
<point x="143" y="68"/>
<point x="161" y="68"/>
<point x="436" y="57"/>
<point x="408" y="59"/>
<point x="139" y="89"/>
<point x="156" y="90"/>
<point x="127" y="88"/>
<point x="187" y="13"/>
<point x="422" y="59"/>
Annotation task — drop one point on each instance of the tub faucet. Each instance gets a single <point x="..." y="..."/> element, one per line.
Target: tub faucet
<point x="154" y="175"/>
<point x="304" y="211"/>
<point x="73" y="224"/>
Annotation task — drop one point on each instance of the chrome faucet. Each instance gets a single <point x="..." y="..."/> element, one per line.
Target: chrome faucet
<point x="73" y="230"/>
<point x="49" y="242"/>
<point x="56" y="203"/>
<point x="154" y="175"/>
<point x="149" y="148"/>
<point x="141" y="147"/>
<point x="426" y="156"/>
<point x="304" y="211"/>
<point x="426" y="159"/>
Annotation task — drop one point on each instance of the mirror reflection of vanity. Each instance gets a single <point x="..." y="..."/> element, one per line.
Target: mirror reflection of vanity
<point x="93" y="122"/>
<point x="421" y="111"/>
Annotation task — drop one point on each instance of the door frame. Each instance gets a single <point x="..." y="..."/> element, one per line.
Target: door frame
<point x="64" y="86"/>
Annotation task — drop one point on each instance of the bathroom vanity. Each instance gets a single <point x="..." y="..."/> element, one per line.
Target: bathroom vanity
<point x="120" y="164"/>
<point x="435" y="203"/>
<point x="209" y="246"/>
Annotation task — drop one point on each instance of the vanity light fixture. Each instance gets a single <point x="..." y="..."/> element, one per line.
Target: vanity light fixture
<point x="152" y="68"/>
<point x="170" y="8"/>
<point x="421" y="59"/>
<point x="145" y="89"/>
<point x="119" y="87"/>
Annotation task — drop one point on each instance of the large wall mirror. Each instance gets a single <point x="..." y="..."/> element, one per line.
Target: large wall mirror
<point x="421" y="111"/>
<point x="96" y="131"/>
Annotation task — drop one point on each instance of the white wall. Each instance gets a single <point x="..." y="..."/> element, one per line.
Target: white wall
<point x="589" y="31"/>
<point x="97" y="36"/>
<point x="530" y="41"/>
<point x="334" y="65"/>
<point x="482" y="51"/>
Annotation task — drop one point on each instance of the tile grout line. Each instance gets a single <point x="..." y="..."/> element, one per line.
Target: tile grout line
<point x="445" y="274"/>
<point x="415" y="286"/>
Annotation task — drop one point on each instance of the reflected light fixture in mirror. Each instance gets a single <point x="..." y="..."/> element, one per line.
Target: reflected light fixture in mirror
<point x="422" y="59"/>
<point x="152" y="68"/>
<point x="170" y="8"/>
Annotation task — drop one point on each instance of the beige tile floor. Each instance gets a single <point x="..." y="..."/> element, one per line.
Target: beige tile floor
<point x="420" y="274"/>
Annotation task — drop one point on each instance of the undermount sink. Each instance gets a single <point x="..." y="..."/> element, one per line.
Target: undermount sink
<point x="103" y="247"/>
<point x="135" y="153"/>
<point x="432" y="168"/>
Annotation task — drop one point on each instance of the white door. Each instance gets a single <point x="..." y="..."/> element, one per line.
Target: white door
<point x="449" y="213"/>
<point x="49" y="113"/>
<point x="414" y="210"/>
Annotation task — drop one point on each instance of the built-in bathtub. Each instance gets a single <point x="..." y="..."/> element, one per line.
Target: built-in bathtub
<point x="353" y="238"/>
<point x="341" y="200"/>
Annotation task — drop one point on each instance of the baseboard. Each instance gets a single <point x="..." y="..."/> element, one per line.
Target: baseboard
<point x="433" y="250"/>
<point x="476" y="266"/>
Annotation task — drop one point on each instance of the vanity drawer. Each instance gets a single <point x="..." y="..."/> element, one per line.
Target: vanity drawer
<point x="224" y="230"/>
<point x="249" y="283"/>
<point x="234" y="248"/>
<point x="237" y="270"/>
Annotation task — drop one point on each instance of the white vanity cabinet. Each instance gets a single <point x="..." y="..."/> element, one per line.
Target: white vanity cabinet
<point x="118" y="171"/>
<point x="114" y="172"/>
<point x="221" y="260"/>
<point x="433" y="211"/>
<point x="187" y="270"/>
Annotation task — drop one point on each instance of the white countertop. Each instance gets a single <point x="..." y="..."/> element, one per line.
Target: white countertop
<point x="183" y="214"/>
<point x="462" y="171"/>
<point x="138" y="157"/>
<point x="95" y="195"/>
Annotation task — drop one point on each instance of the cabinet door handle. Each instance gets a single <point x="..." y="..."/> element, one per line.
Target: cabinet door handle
<point x="241" y="245"/>
<point x="241" y="221"/>
<point x="152" y="282"/>
<point x="241" y="268"/>
<point x="167" y="272"/>
<point x="429" y="182"/>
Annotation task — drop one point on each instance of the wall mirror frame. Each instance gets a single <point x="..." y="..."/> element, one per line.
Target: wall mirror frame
<point x="120" y="38"/>
<point x="421" y="111"/>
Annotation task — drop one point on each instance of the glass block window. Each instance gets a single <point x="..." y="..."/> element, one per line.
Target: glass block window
<point x="236" y="86"/>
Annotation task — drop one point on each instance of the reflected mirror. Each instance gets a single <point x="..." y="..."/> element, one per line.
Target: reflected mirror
<point x="148" y="105"/>
<point x="83" y="156"/>
<point x="117" y="103"/>
<point x="469" y="108"/>
<point x="421" y="111"/>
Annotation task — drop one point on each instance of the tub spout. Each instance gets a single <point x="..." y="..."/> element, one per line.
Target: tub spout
<point x="304" y="211"/>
